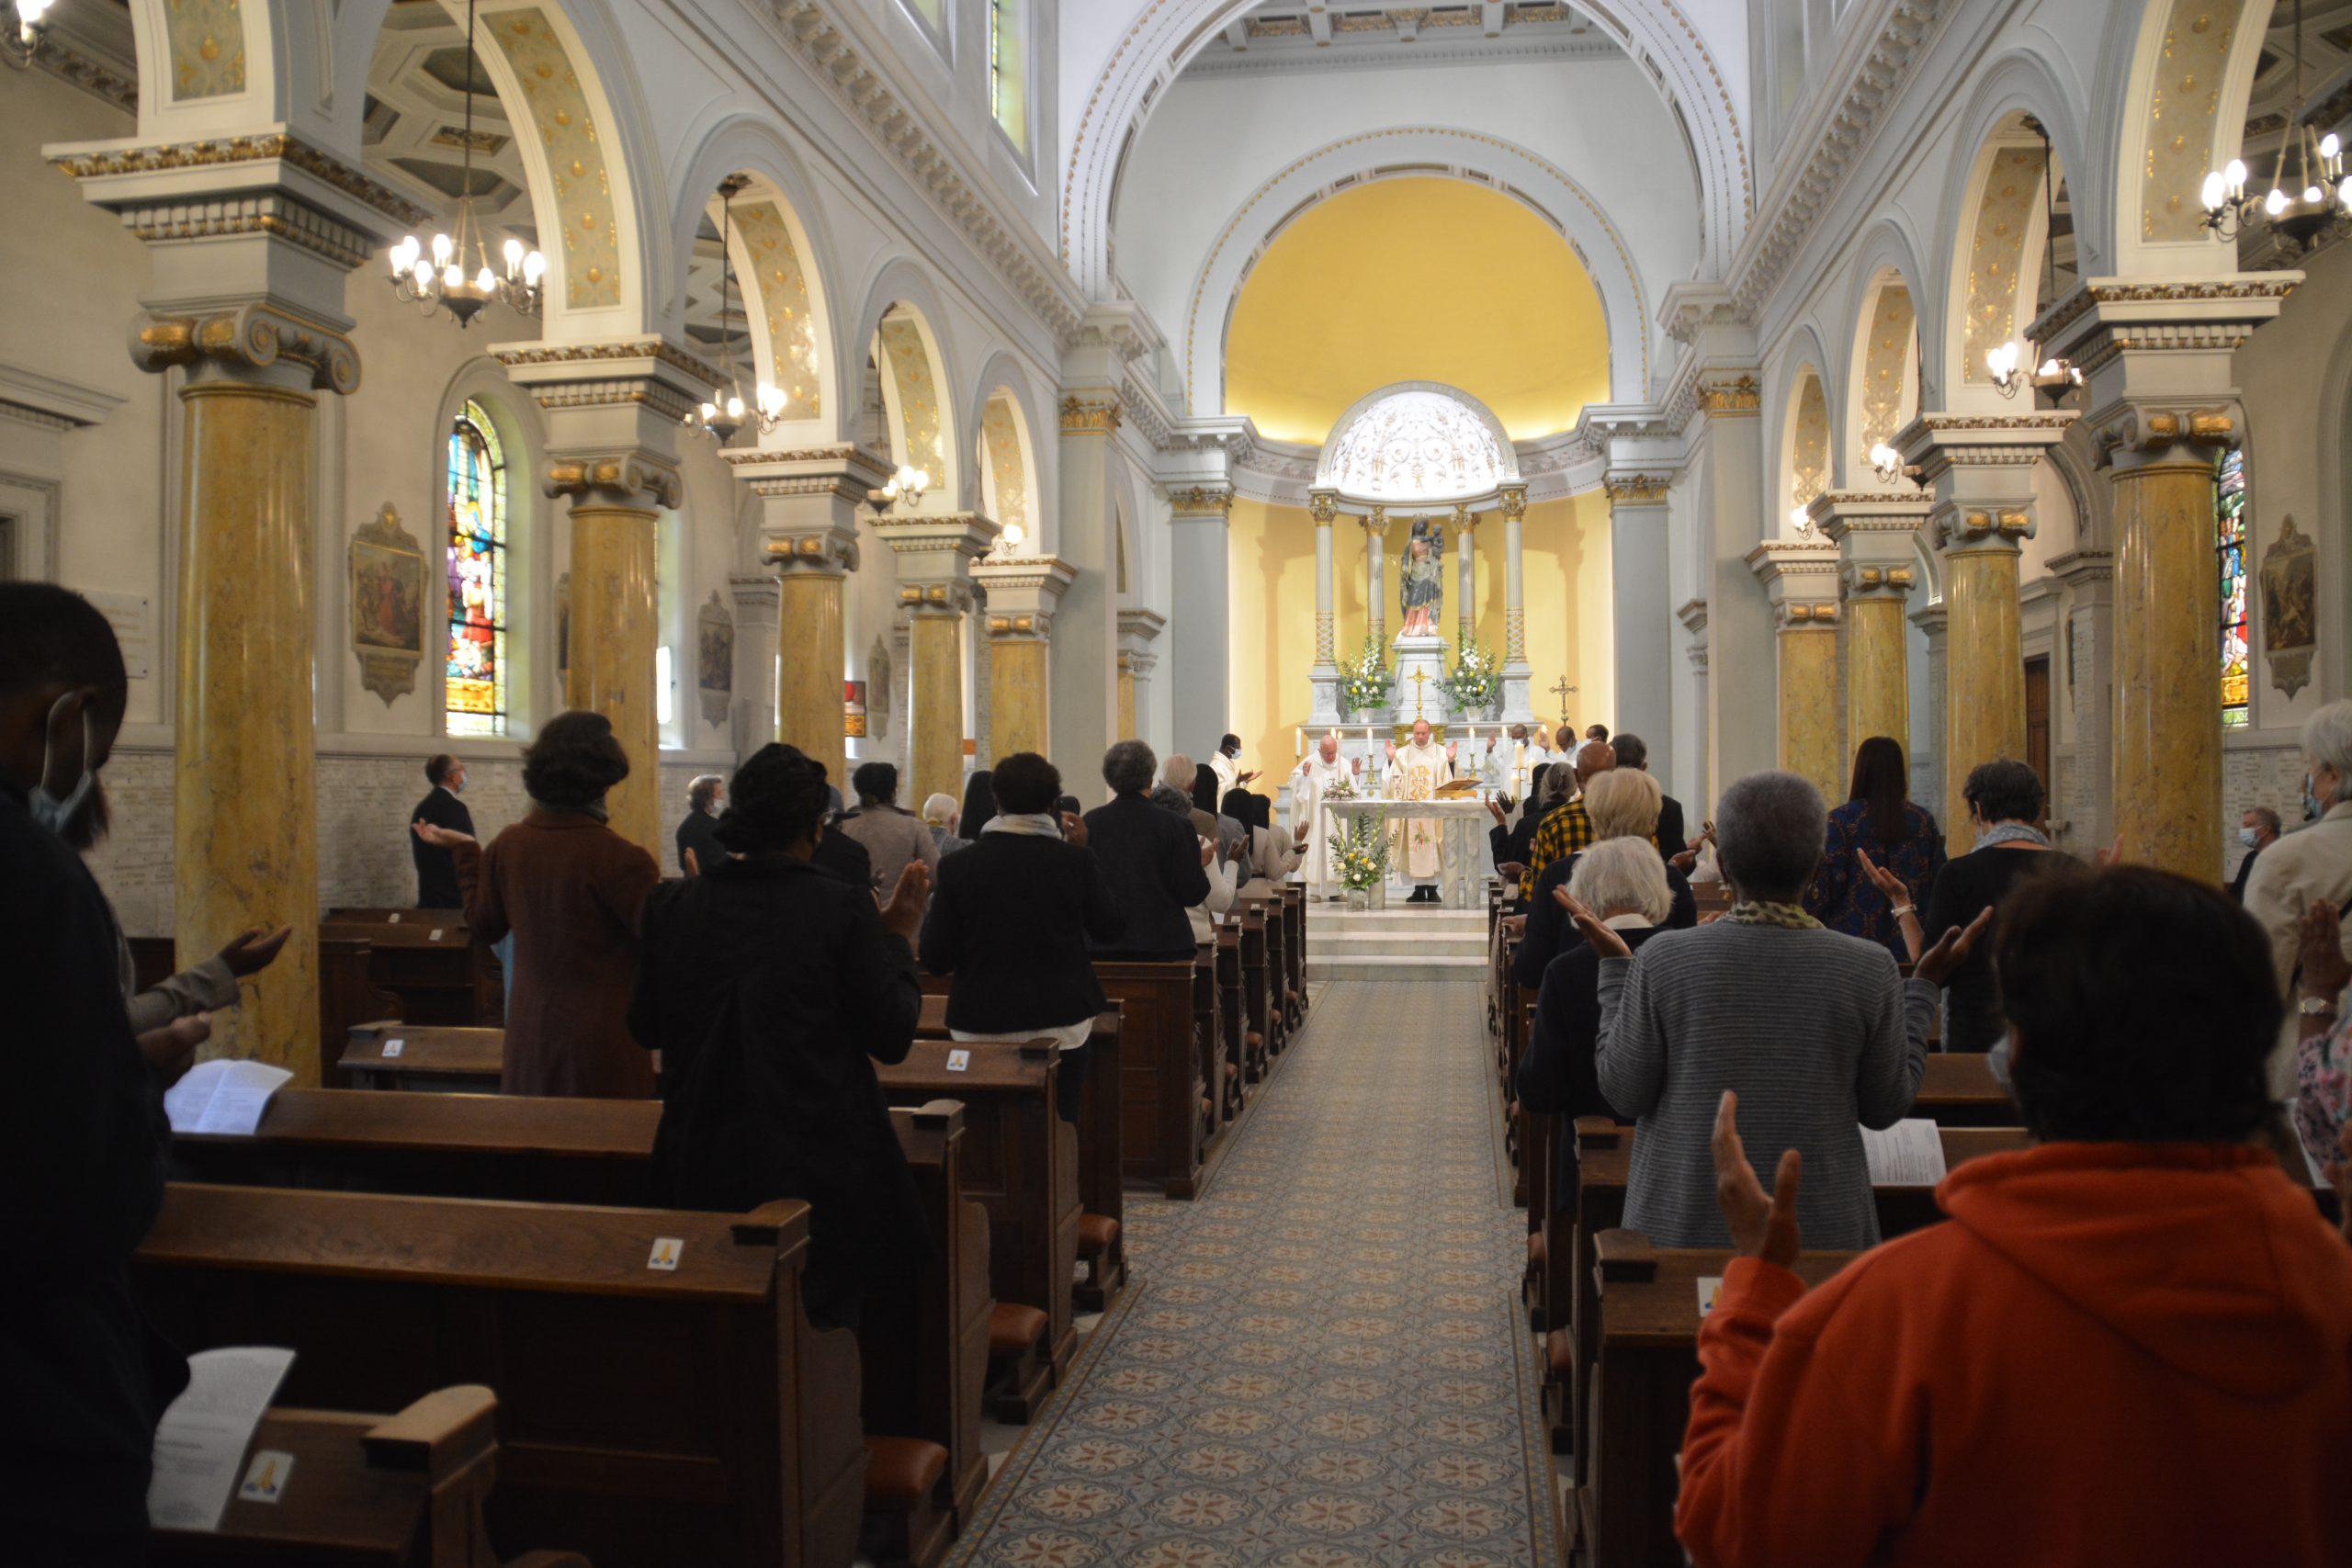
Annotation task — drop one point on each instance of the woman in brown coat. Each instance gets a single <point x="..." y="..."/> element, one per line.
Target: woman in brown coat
<point x="570" y="889"/>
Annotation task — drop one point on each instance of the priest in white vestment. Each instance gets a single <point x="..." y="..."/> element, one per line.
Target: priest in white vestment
<point x="1416" y="770"/>
<point x="1225" y="763"/>
<point x="1309" y="783"/>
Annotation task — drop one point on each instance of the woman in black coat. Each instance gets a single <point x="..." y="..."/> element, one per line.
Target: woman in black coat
<point x="771" y="989"/>
<point x="1011" y="920"/>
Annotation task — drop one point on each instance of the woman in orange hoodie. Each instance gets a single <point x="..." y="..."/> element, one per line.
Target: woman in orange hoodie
<point x="2131" y="1344"/>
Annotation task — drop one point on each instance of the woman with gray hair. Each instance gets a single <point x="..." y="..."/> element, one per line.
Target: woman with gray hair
<point x="1621" y="804"/>
<point x="2311" y="866"/>
<point x="1624" y="880"/>
<point x="1815" y="1030"/>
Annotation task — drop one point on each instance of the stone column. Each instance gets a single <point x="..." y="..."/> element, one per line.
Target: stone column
<point x="1800" y="581"/>
<point x="1323" y="506"/>
<point x="250" y="243"/>
<point x="1928" y="759"/>
<point x="1139" y="629"/>
<point x="2159" y="362"/>
<point x="1466" y="611"/>
<point x="1692" y="782"/>
<point x="1875" y="532"/>
<point x="1085" y="694"/>
<point x="1375" y="560"/>
<point x="1518" y="674"/>
<point x="612" y="412"/>
<point x="2088" y="577"/>
<point x="807" y="532"/>
<point x="1979" y="469"/>
<point x="935" y="552"/>
<point x="1021" y="594"/>
<point x="1200" y="532"/>
<point x="757" y="596"/>
<point x="1643" y="634"/>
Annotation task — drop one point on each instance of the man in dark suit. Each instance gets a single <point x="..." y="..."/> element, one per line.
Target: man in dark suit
<point x="1152" y="860"/>
<point x="1633" y="752"/>
<point x="698" y="831"/>
<point x="436" y="869"/>
<point x="2257" y="830"/>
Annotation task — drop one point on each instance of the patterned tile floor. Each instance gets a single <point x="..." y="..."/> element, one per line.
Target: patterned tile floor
<point x="1321" y="1364"/>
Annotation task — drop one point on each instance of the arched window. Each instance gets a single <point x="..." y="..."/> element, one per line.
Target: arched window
<point x="475" y="695"/>
<point x="2228" y="546"/>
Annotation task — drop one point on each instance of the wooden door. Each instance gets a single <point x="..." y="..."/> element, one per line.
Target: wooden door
<point x="2036" y="718"/>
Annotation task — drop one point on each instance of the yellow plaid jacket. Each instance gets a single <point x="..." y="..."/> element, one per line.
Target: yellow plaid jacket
<point x="1564" y="832"/>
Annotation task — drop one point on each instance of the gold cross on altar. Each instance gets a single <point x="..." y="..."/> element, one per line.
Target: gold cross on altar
<point x="1561" y="689"/>
<point x="1420" y="676"/>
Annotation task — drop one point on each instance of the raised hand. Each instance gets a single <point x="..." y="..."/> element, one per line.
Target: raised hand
<point x="1452" y="748"/>
<point x="1245" y="778"/>
<point x="1074" y="828"/>
<point x="902" y="916"/>
<point x="2112" y="855"/>
<point x="439" y="837"/>
<point x="1392" y="750"/>
<point x="249" y="952"/>
<point x="1604" y="943"/>
<point x="1208" y="853"/>
<point x="2321" y="930"/>
<point x="1760" y="1226"/>
<point x="1495" y="810"/>
<point x="1939" y="963"/>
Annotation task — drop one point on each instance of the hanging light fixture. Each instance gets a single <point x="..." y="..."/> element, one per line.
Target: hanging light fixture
<point x="2050" y="378"/>
<point x="19" y="43"/>
<point x="438" y="279"/>
<point x="908" y="485"/>
<point x="2300" y="210"/>
<point x="726" y="411"/>
<point x="1887" y="462"/>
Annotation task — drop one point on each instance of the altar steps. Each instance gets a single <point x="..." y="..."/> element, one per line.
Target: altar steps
<point x="1404" y="942"/>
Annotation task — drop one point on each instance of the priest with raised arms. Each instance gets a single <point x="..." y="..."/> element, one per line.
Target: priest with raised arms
<point x="1416" y="770"/>
<point x="1309" y="783"/>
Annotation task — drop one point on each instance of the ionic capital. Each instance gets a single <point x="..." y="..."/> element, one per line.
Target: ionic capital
<point x="627" y="477"/>
<point x="258" y="339"/>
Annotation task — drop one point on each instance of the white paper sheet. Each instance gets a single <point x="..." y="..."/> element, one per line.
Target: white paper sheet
<point x="1711" y="1286"/>
<point x="1909" y="1153"/>
<point x="223" y="1097"/>
<point x="200" y="1446"/>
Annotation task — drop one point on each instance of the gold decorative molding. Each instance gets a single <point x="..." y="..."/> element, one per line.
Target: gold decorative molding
<point x="2183" y="104"/>
<point x="1511" y="500"/>
<point x="1006" y="470"/>
<point x="1202" y="501"/>
<point x="618" y="478"/>
<point x="1324" y="507"/>
<point x="1893" y="328"/>
<point x="1733" y="397"/>
<point x="587" y="222"/>
<point x="922" y="422"/>
<point x="1325" y="638"/>
<point x="1979" y="527"/>
<point x="2105" y="292"/>
<point x="219" y="152"/>
<point x="775" y="271"/>
<point x="1515" y="636"/>
<point x="1028" y="627"/>
<point x="2140" y="430"/>
<point x="253" y="336"/>
<point x="827" y="552"/>
<point x="1808" y="615"/>
<point x="2003" y="215"/>
<point x="1637" y="489"/>
<point x="207" y="39"/>
<point x="1809" y="446"/>
<point x="1097" y="415"/>
<point x="1864" y="581"/>
<point x="660" y="350"/>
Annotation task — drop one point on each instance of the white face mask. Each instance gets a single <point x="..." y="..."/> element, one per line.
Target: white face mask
<point x="48" y="810"/>
<point x="2247" y="837"/>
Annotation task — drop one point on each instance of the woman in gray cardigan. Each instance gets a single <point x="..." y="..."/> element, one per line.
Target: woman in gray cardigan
<point x="1817" y="1031"/>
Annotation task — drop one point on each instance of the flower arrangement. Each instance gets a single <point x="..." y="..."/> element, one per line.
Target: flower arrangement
<point x="1362" y="854"/>
<point x="1476" y="683"/>
<point x="1366" y="684"/>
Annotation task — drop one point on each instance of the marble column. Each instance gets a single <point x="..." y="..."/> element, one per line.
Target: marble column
<point x="935" y="552"/>
<point x="1021" y="592"/>
<point x="2088" y="577"/>
<point x="1465" y="608"/>
<point x="757" y="597"/>
<point x="1928" y="750"/>
<point x="1139" y="629"/>
<point x="807" y="531"/>
<point x="1518" y="674"/>
<point x="1084" y="654"/>
<point x="248" y="259"/>
<point x="1641" y="629"/>
<point x="1323" y="506"/>
<point x="1743" y="727"/>
<point x="1375" y="599"/>
<point x="1690" y="783"/>
<point x="1800" y="578"/>
<point x="1980" y="470"/>
<point x="1876" y="533"/>
<point x="1200" y="611"/>
<point x="2162" y="391"/>
<point x="612" y="411"/>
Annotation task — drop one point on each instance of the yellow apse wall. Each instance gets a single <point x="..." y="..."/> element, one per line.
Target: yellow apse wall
<point x="1563" y="551"/>
<point x="1416" y="280"/>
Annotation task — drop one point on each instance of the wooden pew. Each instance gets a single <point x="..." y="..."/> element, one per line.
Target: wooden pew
<point x="1231" y="1070"/>
<point x="651" y="1415"/>
<point x="419" y="1056"/>
<point x="521" y="1149"/>
<point x="405" y="1490"/>
<point x="1021" y="1165"/>
<point x="1960" y="1090"/>
<point x="441" y="975"/>
<point x="1101" y="1167"/>
<point x="1160" y="1081"/>
<point x="1649" y="1309"/>
<point x="1294" y="897"/>
<point x="348" y="997"/>
<point x="1260" y="1023"/>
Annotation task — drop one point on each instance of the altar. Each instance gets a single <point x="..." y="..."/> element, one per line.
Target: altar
<point x="1461" y="837"/>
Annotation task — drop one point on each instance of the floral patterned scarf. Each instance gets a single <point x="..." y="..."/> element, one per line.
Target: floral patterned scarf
<point x="1757" y="912"/>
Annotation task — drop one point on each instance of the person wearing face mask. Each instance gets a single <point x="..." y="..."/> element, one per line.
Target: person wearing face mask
<point x="436" y="868"/>
<point x="2311" y="866"/>
<point x="2004" y="804"/>
<point x="82" y="1137"/>
<point x="2257" y="830"/>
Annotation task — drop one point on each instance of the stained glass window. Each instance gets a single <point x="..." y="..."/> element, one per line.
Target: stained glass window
<point x="2229" y="544"/>
<point x="476" y="681"/>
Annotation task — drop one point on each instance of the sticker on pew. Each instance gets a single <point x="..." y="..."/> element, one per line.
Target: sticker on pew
<point x="266" y="1477"/>
<point x="1711" y="1290"/>
<point x="396" y="917"/>
<point x="393" y="1047"/>
<point x="959" y="1061"/>
<point x="435" y="935"/>
<point x="666" y="1250"/>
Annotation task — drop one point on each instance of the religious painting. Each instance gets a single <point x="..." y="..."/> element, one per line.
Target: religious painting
<point x="386" y="605"/>
<point x="2290" y="607"/>
<point x="715" y="659"/>
<point x="878" y="673"/>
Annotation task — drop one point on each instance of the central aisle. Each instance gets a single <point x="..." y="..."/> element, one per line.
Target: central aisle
<point x="1321" y="1364"/>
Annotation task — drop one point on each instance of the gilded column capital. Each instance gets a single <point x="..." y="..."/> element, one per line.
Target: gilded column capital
<point x="825" y="552"/>
<point x="1375" y="523"/>
<point x="1096" y="412"/>
<point x="935" y="552"/>
<point x="1862" y="580"/>
<point x="1021" y="594"/>
<point x="248" y="339"/>
<point x="1636" y="488"/>
<point x="1323" y="506"/>
<point x="1465" y="520"/>
<point x="1731" y="395"/>
<point x="936" y="598"/>
<point x="1026" y="627"/>
<point x="1982" y="528"/>
<point x="1801" y="580"/>
<point x="1201" y="501"/>
<point x="625" y="478"/>
<point x="1511" y="501"/>
<point x="2134" y="433"/>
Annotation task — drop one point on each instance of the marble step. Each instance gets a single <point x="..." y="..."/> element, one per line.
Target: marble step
<point x="1390" y="969"/>
<point x="1405" y="922"/>
<point x="1415" y="944"/>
